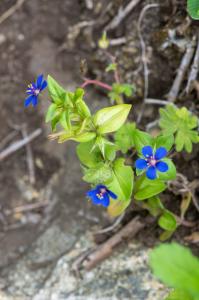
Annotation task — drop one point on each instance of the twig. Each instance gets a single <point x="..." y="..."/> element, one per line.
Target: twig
<point x="105" y="250"/>
<point x="28" y="207"/>
<point x="113" y="60"/>
<point x="19" y="144"/>
<point x="185" y="62"/>
<point x="144" y="56"/>
<point x="11" y="11"/>
<point x="7" y="139"/>
<point x="194" y="70"/>
<point x="156" y="101"/>
<point x="113" y="226"/>
<point x="121" y="15"/>
<point x="152" y="125"/>
<point x="96" y="82"/>
<point x="29" y="157"/>
<point x="118" y="41"/>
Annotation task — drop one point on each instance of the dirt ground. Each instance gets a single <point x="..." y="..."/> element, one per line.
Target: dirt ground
<point x="49" y="37"/>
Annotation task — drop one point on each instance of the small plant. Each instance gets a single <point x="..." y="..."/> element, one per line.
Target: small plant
<point x="105" y="141"/>
<point x="103" y="156"/>
<point x="176" y="266"/>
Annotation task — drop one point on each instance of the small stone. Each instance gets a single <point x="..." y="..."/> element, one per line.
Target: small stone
<point x="2" y="38"/>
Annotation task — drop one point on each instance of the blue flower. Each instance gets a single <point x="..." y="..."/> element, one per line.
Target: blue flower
<point x="101" y="195"/>
<point x="152" y="161"/>
<point x="34" y="89"/>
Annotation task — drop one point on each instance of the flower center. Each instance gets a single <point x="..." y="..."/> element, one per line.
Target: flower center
<point x="100" y="195"/>
<point x="36" y="92"/>
<point x="152" y="161"/>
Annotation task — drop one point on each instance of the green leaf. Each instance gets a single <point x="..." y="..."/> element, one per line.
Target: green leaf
<point x="81" y="138"/>
<point x="122" y="183"/>
<point x="110" y="119"/>
<point x="119" y="89"/>
<point x="179" y="295"/>
<point x="65" y="120"/>
<point x="177" y="267"/>
<point x="154" y="205"/>
<point x="101" y="173"/>
<point x="128" y="136"/>
<point x="110" y="152"/>
<point x="127" y="89"/>
<point x="124" y="137"/>
<point x="111" y="67"/>
<point x="193" y="9"/>
<point x="145" y="188"/>
<point x="171" y="173"/>
<point x="165" y="235"/>
<point x="117" y="207"/>
<point x="164" y="140"/>
<point x="51" y="112"/>
<point x="87" y="155"/>
<point x="167" y="221"/>
<point x="182" y="123"/>
<point x="56" y="91"/>
<point x="141" y="139"/>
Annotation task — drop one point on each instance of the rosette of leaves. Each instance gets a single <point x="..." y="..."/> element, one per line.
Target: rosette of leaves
<point x="181" y="123"/>
<point x="70" y="112"/>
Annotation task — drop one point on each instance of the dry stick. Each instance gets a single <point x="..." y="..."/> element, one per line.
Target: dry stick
<point x="11" y="11"/>
<point x="194" y="70"/>
<point x="118" y="41"/>
<point x="144" y="57"/>
<point x="29" y="156"/>
<point x="156" y="101"/>
<point x="185" y="62"/>
<point x="28" y="207"/>
<point x="106" y="249"/>
<point x="121" y="15"/>
<point x="19" y="144"/>
<point x="8" y="138"/>
<point x="113" y="226"/>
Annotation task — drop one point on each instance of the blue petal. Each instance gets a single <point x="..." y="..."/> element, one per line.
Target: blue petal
<point x="147" y="151"/>
<point x="39" y="81"/>
<point x="34" y="101"/>
<point x="29" y="92"/>
<point x="34" y="85"/>
<point x="111" y="194"/>
<point x="96" y="200"/>
<point x="91" y="193"/>
<point x="105" y="201"/>
<point x="151" y="173"/>
<point x="160" y="153"/>
<point x="29" y="100"/>
<point x="44" y="85"/>
<point x="141" y="164"/>
<point x="162" y="166"/>
<point x="101" y="186"/>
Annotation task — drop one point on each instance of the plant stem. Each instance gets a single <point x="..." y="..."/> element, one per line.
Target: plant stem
<point x="96" y="82"/>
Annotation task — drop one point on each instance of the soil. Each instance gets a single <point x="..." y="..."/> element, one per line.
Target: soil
<point x="42" y="37"/>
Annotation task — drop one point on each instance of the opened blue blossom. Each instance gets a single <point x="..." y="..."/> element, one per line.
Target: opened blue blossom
<point x="101" y="195"/>
<point x="34" y="89"/>
<point x="151" y="162"/>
